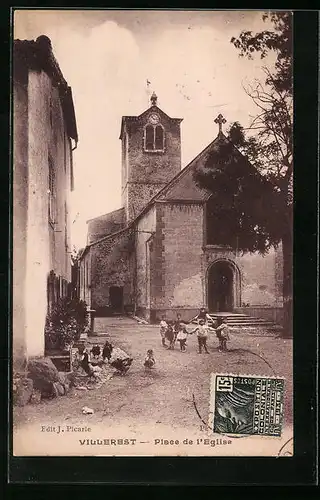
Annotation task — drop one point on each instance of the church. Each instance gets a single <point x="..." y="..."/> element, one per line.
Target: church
<point x="155" y="256"/>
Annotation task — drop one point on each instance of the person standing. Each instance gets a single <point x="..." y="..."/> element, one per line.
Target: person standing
<point x="182" y="337"/>
<point x="202" y="335"/>
<point x="163" y="330"/>
<point x="177" y="326"/>
<point x="170" y="335"/>
<point x="222" y="332"/>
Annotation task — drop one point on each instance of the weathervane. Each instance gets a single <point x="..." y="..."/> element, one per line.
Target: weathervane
<point x="220" y="120"/>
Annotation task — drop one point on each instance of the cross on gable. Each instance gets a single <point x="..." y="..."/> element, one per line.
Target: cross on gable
<point x="220" y="120"/>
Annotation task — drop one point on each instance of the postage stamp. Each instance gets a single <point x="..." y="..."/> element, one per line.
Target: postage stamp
<point x="246" y="404"/>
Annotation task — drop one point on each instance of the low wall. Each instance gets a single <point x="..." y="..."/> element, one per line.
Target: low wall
<point x="274" y="314"/>
<point x="171" y="314"/>
<point x="106" y="311"/>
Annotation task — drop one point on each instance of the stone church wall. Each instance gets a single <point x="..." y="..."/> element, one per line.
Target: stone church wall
<point x="180" y="263"/>
<point x="145" y="173"/>
<point x="139" y="195"/>
<point x="260" y="282"/>
<point x="112" y="264"/>
<point x="182" y="289"/>
<point x="157" y="167"/>
<point x="146" y="227"/>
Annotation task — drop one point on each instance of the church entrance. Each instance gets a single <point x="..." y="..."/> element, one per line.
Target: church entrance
<point x="221" y="287"/>
<point x="116" y="298"/>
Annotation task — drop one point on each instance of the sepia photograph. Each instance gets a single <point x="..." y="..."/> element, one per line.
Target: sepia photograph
<point x="152" y="179"/>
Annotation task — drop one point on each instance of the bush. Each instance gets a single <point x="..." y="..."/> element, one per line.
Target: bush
<point x="65" y="323"/>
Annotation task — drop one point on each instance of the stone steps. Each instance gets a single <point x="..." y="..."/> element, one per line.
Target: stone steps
<point x="245" y="321"/>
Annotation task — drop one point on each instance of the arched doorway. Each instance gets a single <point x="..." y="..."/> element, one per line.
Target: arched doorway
<point x="116" y="298"/>
<point x="221" y="287"/>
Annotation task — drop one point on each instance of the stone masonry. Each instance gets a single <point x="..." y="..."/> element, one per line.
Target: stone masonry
<point x="162" y="258"/>
<point x="145" y="173"/>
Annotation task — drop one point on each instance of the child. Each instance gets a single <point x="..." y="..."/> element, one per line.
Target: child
<point x="202" y="335"/>
<point x="223" y="335"/>
<point x="202" y="315"/>
<point x="170" y="335"/>
<point x="182" y="337"/>
<point x="149" y="361"/>
<point x="163" y="329"/>
<point x="177" y="326"/>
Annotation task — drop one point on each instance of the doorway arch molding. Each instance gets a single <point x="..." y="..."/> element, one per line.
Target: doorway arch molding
<point x="237" y="279"/>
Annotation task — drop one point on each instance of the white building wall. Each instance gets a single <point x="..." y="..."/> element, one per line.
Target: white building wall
<point x="39" y="247"/>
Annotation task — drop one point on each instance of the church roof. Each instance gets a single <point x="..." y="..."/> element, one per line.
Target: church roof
<point x="105" y="225"/>
<point x="182" y="188"/>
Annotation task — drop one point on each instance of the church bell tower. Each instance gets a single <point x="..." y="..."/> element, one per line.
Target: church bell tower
<point x="151" y="156"/>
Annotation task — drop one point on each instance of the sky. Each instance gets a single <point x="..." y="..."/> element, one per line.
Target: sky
<point x="108" y="56"/>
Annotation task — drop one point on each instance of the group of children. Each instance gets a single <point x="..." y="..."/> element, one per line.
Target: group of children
<point x="176" y="331"/>
<point x="170" y="331"/>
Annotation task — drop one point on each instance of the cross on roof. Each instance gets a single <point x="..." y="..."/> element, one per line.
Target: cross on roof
<point x="154" y="99"/>
<point x="220" y="120"/>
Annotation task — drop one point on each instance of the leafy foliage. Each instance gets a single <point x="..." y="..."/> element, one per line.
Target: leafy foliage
<point x="279" y="41"/>
<point x="259" y="197"/>
<point x="65" y="322"/>
<point x="271" y="148"/>
<point x="242" y="199"/>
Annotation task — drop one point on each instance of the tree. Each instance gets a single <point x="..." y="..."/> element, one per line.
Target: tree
<point x="261" y="200"/>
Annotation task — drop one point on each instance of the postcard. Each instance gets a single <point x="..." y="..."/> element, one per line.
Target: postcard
<point x="152" y="233"/>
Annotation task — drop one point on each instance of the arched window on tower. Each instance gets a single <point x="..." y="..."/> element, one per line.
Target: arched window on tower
<point x="159" y="138"/>
<point x="149" y="138"/>
<point x="154" y="138"/>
